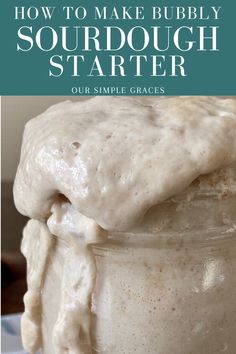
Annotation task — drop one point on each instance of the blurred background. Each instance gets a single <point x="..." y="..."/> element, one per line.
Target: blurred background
<point x="15" y="112"/>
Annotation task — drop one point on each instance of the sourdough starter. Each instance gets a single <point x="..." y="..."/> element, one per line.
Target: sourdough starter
<point x="121" y="191"/>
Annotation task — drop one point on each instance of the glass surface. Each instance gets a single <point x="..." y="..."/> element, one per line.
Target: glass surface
<point x="169" y="287"/>
<point x="171" y="294"/>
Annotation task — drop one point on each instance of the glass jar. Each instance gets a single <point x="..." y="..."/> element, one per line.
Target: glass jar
<point x="167" y="287"/>
<point x="166" y="294"/>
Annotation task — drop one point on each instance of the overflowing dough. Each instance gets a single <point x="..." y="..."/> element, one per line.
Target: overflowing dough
<point x="115" y="157"/>
<point x="99" y="166"/>
<point x="36" y="245"/>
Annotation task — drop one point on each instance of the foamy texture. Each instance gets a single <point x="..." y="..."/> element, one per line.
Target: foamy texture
<point x="116" y="157"/>
<point x="99" y="165"/>
<point x="212" y="195"/>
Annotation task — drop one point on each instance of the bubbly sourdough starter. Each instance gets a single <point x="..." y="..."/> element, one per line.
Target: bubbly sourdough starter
<point x="114" y="164"/>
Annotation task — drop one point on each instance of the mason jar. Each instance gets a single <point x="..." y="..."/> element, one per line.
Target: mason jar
<point x="166" y="294"/>
<point x="169" y="285"/>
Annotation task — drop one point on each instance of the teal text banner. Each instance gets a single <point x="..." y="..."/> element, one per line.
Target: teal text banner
<point x="118" y="47"/>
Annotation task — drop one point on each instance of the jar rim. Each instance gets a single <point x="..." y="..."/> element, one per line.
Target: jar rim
<point x="166" y="239"/>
